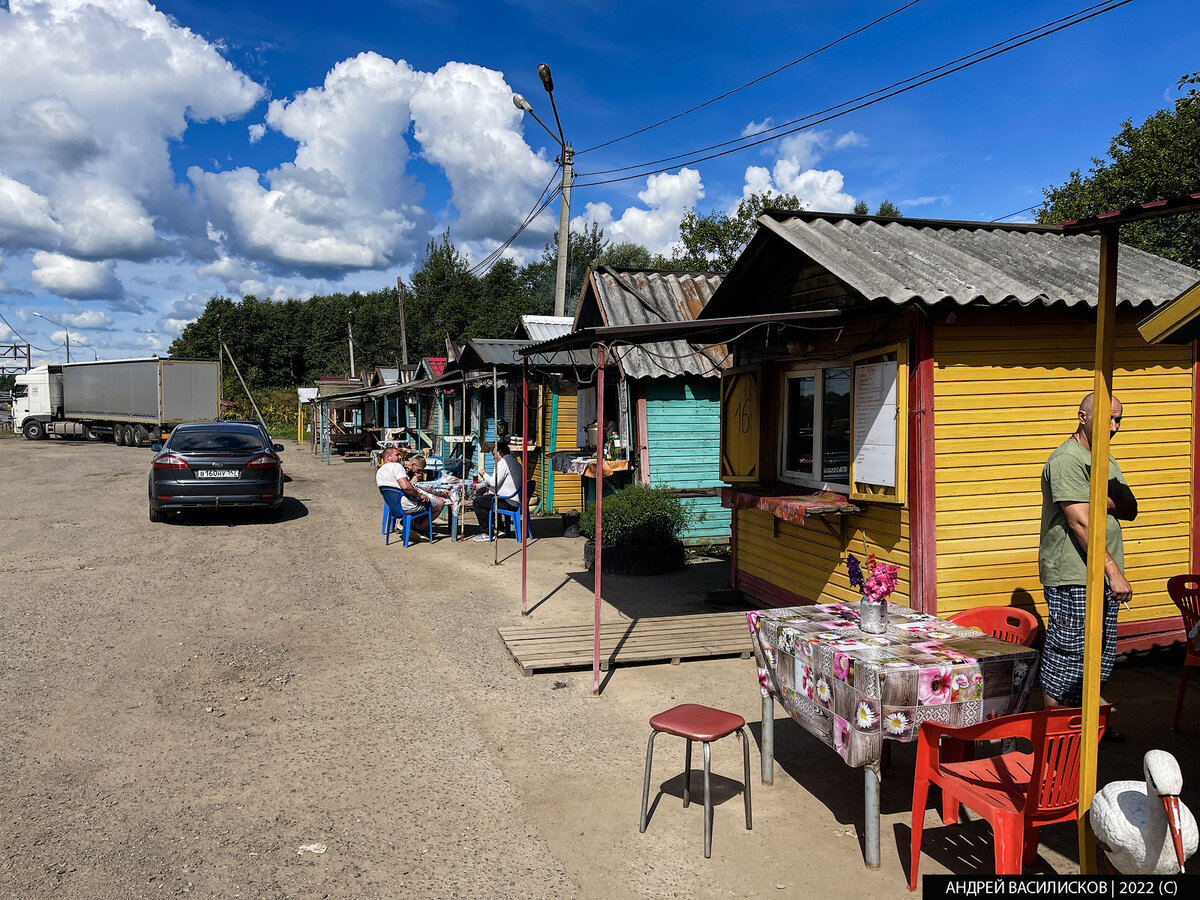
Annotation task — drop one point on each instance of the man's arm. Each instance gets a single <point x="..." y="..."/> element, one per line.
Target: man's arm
<point x="1077" y="521"/>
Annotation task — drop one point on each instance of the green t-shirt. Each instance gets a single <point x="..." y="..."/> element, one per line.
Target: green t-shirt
<point x="1065" y="477"/>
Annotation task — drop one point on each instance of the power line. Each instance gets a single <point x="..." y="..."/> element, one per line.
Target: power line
<point x="538" y="207"/>
<point x="26" y="341"/>
<point x="755" y="81"/>
<point x="1017" y="213"/>
<point x="885" y="94"/>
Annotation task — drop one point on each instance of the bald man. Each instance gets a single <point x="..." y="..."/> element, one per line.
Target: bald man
<point x="1062" y="558"/>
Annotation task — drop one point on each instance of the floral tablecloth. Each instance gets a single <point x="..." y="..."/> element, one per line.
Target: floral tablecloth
<point x="852" y="690"/>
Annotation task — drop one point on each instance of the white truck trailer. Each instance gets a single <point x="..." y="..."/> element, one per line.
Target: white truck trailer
<point x="135" y="401"/>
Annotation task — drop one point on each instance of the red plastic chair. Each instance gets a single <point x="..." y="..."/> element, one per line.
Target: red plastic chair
<point x="1017" y="626"/>
<point x="1185" y="592"/>
<point x="1016" y="792"/>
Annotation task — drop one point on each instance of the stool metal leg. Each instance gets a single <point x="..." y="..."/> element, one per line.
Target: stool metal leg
<point x="746" y="772"/>
<point x="687" y="775"/>
<point x="708" y="813"/>
<point x="646" y="781"/>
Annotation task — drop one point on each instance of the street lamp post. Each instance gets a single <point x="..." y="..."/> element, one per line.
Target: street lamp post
<point x="566" y="157"/>
<point x="66" y="331"/>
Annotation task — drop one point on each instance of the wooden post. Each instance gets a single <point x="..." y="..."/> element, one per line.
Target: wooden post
<point x="1106" y="315"/>
<point x="599" y="519"/>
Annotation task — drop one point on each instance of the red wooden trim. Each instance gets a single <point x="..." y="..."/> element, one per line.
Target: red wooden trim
<point x="733" y="569"/>
<point x="1149" y="633"/>
<point x="1195" y="454"/>
<point x="922" y="496"/>
<point x="768" y="593"/>
<point x="643" y="433"/>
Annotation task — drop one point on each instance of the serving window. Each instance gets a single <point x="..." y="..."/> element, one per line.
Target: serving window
<point x="814" y="446"/>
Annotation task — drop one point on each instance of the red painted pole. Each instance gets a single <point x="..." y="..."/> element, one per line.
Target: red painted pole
<point x="524" y="479"/>
<point x="599" y="521"/>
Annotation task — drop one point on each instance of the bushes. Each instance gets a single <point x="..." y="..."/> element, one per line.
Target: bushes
<point x="638" y="515"/>
<point x="278" y="407"/>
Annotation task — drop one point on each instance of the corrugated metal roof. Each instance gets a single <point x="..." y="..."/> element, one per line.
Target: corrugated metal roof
<point x="388" y="375"/>
<point x="543" y="328"/>
<point x="929" y="262"/>
<point x="503" y="353"/>
<point x="633" y="297"/>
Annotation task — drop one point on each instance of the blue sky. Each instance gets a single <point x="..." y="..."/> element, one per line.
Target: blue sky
<point x="152" y="156"/>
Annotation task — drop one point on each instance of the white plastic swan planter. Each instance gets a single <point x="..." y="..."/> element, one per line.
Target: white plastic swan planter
<point x="1142" y="826"/>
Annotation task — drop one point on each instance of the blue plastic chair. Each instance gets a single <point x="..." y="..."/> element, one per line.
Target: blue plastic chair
<point x="512" y="514"/>
<point x="393" y="510"/>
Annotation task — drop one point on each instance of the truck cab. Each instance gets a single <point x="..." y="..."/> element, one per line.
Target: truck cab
<point x="37" y="400"/>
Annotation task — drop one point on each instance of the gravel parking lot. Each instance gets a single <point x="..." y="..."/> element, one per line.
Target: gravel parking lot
<point x="269" y="707"/>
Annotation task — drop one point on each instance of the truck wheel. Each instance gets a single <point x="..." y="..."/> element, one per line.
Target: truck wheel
<point x="141" y="436"/>
<point x="91" y="434"/>
<point x="119" y="434"/>
<point x="34" y="431"/>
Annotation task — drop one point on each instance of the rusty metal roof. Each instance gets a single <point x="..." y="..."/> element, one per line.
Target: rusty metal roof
<point x="929" y="261"/>
<point x="641" y="297"/>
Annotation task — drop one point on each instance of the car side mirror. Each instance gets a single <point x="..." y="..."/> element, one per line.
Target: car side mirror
<point x="278" y="448"/>
<point x="156" y="447"/>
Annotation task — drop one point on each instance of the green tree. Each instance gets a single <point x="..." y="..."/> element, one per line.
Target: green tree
<point x="861" y="208"/>
<point x="625" y="255"/>
<point x="540" y="276"/>
<point x="889" y="209"/>
<point x="443" y="299"/>
<point x="1155" y="160"/>
<point x="713" y="242"/>
<point x="502" y="300"/>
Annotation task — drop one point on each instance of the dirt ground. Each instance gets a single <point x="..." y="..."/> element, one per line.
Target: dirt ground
<point x="242" y="706"/>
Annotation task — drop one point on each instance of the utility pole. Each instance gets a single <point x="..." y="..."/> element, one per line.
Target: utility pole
<point x="350" y="335"/>
<point x="567" y="159"/>
<point x="564" y="216"/>
<point x="403" y="333"/>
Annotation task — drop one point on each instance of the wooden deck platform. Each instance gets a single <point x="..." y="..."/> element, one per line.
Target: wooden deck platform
<point x="661" y="639"/>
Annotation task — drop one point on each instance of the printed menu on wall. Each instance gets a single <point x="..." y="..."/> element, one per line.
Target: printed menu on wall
<point x="875" y="424"/>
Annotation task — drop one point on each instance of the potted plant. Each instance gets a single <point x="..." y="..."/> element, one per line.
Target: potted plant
<point x="641" y="531"/>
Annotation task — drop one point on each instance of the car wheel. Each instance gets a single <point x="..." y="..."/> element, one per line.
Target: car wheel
<point x="34" y="431"/>
<point x="91" y="434"/>
<point x="155" y="513"/>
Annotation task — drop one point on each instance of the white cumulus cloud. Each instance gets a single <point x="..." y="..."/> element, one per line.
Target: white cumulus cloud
<point x="25" y="219"/>
<point x="88" y="318"/>
<point x="92" y="95"/>
<point x="76" y="278"/>
<point x="655" y="225"/>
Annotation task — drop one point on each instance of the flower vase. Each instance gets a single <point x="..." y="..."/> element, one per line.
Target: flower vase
<point x="872" y="616"/>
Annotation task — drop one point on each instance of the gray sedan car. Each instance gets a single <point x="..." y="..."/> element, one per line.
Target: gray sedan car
<point x="215" y="465"/>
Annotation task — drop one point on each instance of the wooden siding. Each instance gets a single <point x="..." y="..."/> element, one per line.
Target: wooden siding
<point x="568" y="489"/>
<point x="809" y="559"/>
<point x="1007" y="389"/>
<point x="683" y="422"/>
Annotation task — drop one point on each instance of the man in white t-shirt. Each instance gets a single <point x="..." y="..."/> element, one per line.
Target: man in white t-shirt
<point x="505" y="482"/>
<point x="395" y="475"/>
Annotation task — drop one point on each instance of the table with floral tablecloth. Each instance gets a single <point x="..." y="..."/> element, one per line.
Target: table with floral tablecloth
<point x="853" y="690"/>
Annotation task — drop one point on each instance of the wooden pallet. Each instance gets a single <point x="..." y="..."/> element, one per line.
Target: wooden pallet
<point x="662" y="639"/>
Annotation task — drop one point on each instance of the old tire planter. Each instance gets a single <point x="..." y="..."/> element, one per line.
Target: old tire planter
<point x="635" y="560"/>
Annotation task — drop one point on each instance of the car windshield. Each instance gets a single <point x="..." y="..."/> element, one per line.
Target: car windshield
<point x="216" y="441"/>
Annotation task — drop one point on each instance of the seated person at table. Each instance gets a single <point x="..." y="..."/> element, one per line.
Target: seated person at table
<point x="399" y="476"/>
<point x="505" y="482"/>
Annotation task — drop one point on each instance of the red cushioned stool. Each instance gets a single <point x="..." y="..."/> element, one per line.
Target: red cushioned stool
<point x="704" y="724"/>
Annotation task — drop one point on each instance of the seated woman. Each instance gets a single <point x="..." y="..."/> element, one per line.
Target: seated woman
<point x="393" y="475"/>
<point x="504" y="483"/>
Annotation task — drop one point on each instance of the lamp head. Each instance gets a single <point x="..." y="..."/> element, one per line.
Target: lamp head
<point x="521" y="103"/>
<point x="39" y="315"/>
<point x="547" y="79"/>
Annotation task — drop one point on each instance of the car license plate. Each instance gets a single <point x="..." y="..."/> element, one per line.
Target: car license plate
<point x="216" y="473"/>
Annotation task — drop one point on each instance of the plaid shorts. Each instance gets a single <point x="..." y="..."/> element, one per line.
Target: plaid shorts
<point x="1062" y="655"/>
